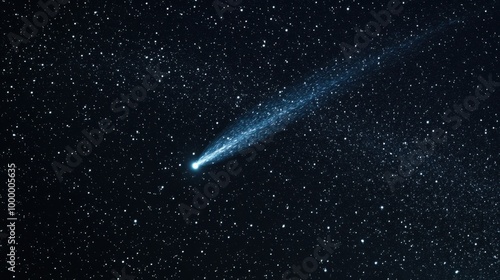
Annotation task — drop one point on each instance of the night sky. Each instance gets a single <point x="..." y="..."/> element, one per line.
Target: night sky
<point x="395" y="174"/>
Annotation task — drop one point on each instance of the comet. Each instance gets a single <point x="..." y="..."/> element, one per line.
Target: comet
<point x="293" y="102"/>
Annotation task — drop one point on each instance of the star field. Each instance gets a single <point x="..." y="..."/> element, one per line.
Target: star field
<point x="134" y="207"/>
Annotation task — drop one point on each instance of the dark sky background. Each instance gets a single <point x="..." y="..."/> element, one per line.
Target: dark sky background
<point x="322" y="176"/>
